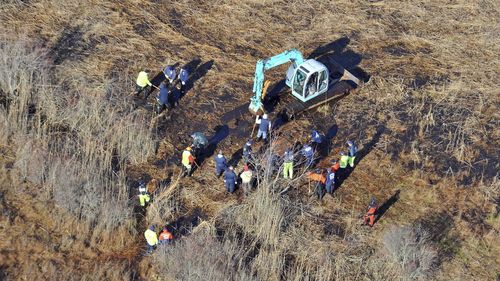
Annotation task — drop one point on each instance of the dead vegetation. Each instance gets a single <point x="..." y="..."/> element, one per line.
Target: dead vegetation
<point x="73" y="147"/>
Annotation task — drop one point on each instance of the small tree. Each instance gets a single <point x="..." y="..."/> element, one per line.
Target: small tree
<point x="409" y="247"/>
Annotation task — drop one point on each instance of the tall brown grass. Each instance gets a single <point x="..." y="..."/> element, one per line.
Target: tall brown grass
<point x="71" y="147"/>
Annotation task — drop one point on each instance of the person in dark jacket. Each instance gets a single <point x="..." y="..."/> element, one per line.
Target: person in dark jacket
<point x="247" y="151"/>
<point x="183" y="78"/>
<point x="330" y="181"/>
<point x="230" y="179"/>
<point x="308" y="153"/>
<point x="162" y="98"/>
<point x="316" y="139"/>
<point x="220" y="164"/>
<point x="264" y="127"/>
<point x="351" y="153"/>
<point x="170" y="73"/>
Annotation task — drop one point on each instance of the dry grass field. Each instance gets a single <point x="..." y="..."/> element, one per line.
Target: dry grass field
<point x="73" y="145"/>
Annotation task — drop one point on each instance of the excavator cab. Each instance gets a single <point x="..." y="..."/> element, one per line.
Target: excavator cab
<point x="310" y="80"/>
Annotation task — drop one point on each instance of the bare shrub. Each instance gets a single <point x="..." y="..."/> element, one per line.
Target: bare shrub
<point x="201" y="257"/>
<point x="410" y="248"/>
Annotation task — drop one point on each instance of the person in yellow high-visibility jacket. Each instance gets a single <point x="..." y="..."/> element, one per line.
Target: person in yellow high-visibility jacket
<point x="344" y="160"/>
<point x="187" y="160"/>
<point x="144" y="198"/>
<point x="151" y="238"/>
<point x="143" y="82"/>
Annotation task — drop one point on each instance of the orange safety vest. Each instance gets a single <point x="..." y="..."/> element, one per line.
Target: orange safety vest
<point x="317" y="177"/>
<point x="371" y="211"/>
<point x="335" y="167"/>
<point x="166" y="235"/>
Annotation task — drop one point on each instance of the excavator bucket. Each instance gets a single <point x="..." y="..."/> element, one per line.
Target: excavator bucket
<point x="347" y="76"/>
<point x="264" y="89"/>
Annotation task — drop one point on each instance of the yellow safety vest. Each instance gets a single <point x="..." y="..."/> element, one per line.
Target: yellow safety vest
<point x="343" y="161"/>
<point x="151" y="237"/>
<point x="143" y="80"/>
<point x="185" y="158"/>
<point x="143" y="199"/>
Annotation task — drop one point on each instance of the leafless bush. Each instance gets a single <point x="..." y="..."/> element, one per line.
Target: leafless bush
<point x="201" y="257"/>
<point x="410" y="248"/>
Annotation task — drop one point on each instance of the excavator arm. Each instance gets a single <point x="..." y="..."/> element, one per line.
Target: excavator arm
<point x="293" y="55"/>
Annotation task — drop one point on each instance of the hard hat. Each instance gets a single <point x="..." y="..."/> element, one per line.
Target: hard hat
<point x="231" y="168"/>
<point x="152" y="227"/>
<point x="318" y="171"/>
<point x="264" y="116"/>
<point x="349" y="143"/>
<point x="342" y="153"/>
<point x="249" y="142"/>
<point x="220" y="152"/>
<point x="334" y="161"/>
<point x="188" y="148"/>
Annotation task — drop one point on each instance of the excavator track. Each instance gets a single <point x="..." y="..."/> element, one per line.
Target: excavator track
<point x="337" y="90"/>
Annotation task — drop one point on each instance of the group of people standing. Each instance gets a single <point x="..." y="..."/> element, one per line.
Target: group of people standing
<point x="166" y="97"/>
<point x="152" y="238"/>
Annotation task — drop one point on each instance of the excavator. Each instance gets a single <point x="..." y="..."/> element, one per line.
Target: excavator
<point x="310" y="81"/>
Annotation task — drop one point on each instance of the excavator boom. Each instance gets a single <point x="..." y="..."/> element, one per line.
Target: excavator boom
<point x="293" y="55"/>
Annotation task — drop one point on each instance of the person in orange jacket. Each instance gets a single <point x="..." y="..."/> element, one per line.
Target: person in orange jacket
<point x="166" y="236"/>
<point x="370" y="213"/>
<point x="320" y="179"/>
<point x="188" y="160"/>
<point x="335" y="166"/>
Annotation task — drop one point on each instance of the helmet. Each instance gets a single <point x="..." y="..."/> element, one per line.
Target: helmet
<point x="152" y="227"/>
<point x="231" y="168"/>
<point x="188" y="148"/>
<point x="220" y="152"/>
<point x="342" y="153"/>
<point x="264" y="116"/>
<point x="334" y="161"/>
<point x="349" y="143"/>
<point x="318" y="171"/>
<point x="249" y="142"/>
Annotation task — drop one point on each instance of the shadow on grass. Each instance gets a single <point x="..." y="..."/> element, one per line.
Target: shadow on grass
<point x="387" y="205"/>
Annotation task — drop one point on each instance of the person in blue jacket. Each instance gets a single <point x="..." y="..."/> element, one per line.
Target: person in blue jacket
<point x="330" y="181"/>
<point x="264" y="127"/>
<point x="351" y="153"/>
<point x="220" y="164"/>
<point x="162" y="98"/>
<point x="247" y="151"/>
<point x="308" y="153"/>
<point x="170" y="73"/>
<point x="183" y="77"/>
<point x="230" y="179"/>
<point x="316" y="137"/>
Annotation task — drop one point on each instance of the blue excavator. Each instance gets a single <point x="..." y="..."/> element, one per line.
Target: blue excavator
<point x="310" y="81"/>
